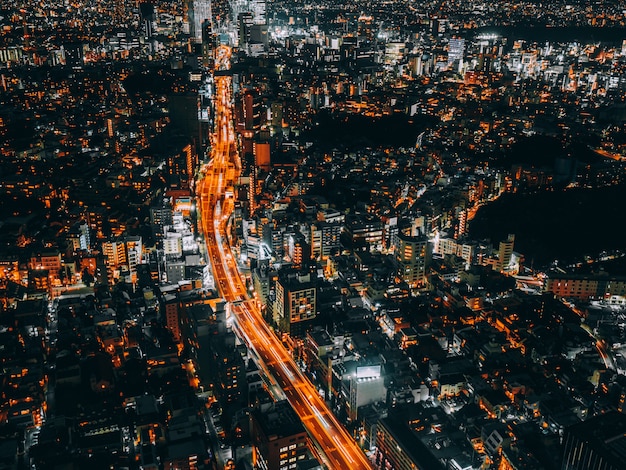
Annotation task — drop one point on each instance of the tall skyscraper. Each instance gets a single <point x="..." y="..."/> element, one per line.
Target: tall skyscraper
<point x="148" y="16"/>
<point x="199" y="12"/>
<point x="456" y="49"/>
<point x="257" y="7"/>
<point x="208" y="44"/>
<point x="245" y="20"/>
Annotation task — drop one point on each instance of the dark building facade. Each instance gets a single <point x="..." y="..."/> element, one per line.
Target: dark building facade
<point x="596" y="444"/>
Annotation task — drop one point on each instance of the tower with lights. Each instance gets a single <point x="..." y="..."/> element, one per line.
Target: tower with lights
<point x="200" y="12"/>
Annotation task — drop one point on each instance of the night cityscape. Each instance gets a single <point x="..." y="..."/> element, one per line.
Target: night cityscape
<point x="323" y="235"/>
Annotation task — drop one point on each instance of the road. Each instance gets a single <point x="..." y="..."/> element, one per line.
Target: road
<point x="333" y="444"/>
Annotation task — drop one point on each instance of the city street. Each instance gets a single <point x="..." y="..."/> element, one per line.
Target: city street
<point x="333" y="444"/>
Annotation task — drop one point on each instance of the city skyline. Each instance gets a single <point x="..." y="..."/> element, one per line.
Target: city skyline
<point x="321" y="235"/>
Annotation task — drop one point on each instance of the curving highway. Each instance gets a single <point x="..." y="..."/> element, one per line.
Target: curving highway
<point x="333" y="444"/>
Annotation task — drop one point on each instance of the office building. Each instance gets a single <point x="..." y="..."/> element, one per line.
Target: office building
<point x="295" y="305"/>
<point x="278" y="436"/>
<point x="505" y="253"/>
<point x="324" y="239"/>
<point x="199" y="12"/>
<point x="171" y="311"/>
<point x="456" y="48"/>
<point x="399" y="448"/>
<point x="413" y="258"/>
<point x="596" y="444"/>
<point x="363" y="233"/>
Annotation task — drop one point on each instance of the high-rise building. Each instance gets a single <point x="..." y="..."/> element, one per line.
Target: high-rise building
<point x="262" y="154"/>
<point x="595" y="444"/>
<point x="366" y="27"/>
<point x="324" y="239"/>
<point x="450" y="246"/>
<point x="199" y="12"/>
<point x="251" y="105"/>
<point x="123" y="253"/>
<point x="263" y="280"/>
<point x="208" y="44"/>
<point x="258" y="7"/>
<point x="363" y="232"/>
<point x="413" y="257"/>
<point x="95" y="217"/>
<point x="49" y="261"/>
<point x="390" y="231"/>
<point x="148" y="16"/>
<point x="298" y="249"/>
<point x="245" y="21"/>
<point x="366" y="385"/>
<point x="259" y="35"/>
<point x="115" y="253"/>
<point x="175" y="271"/>
<point x="78" y="237"/>
<point x="232" y="375"/>
<point x="160" y="216"/>
<point x="456" y="49"/>
<point x="279" y="437"/>
<point x="172" y="244"/>
<point x="295" y="305"/>
<point x="134" y="251"/>
<point x="191" y="160"/>
<point x="171" y="311"/>
<point x="399" y="448"/>
<point x="505" y="252"/>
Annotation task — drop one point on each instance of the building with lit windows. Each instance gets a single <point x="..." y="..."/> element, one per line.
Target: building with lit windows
<point x="505" y="253"/>
<point x="134" y="251"/>
<point x="400" y="449"/>
<point x="160" y="217"/>
<point x="245" y="21"/>
<point x="264" y="281"/>
<point x="115" y="253"/>
<point x="363" y="233"/>
<point x="231" y="370"/>
<point x="199" y="12"/>
<point x="171" y="310"/>
<point x="191" y="160"/>
<point x="78" y="237"/>
<point x="324" y="239"/>
<point x="50" y="261"/>
<point x="262" y="158"/>
<point x="208" y="44"/>
<point x="456" y="49"/>
<point x="413" y="258"/>
<point x="450" y="246"/>
<point x="258" y="7"/>
<point x="278" y="436"/>
<point x="298" y="250"/>
<point x="124" y="253"/>
<point x="249" y="113"/>
<point x="173" y="244"/>
<point x="592" y="286"/>
<point x="295" y="306"/>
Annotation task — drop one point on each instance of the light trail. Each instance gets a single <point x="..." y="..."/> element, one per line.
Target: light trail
<point x="337" y="448"/>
